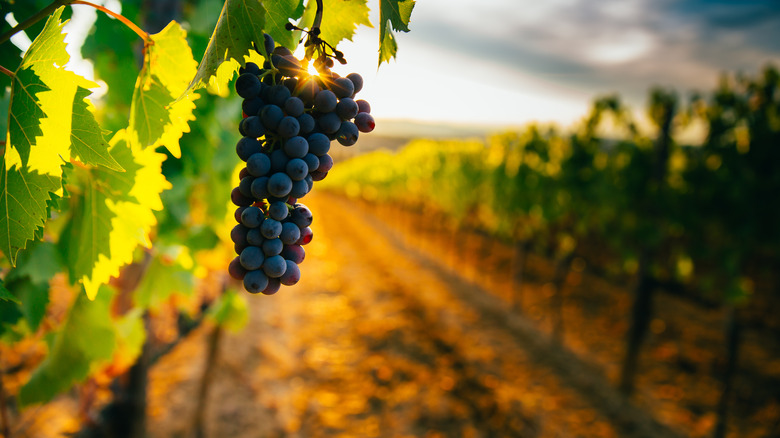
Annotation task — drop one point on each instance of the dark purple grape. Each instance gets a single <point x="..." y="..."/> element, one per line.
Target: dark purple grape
<point x="236" y="270"/>
<point x="255" y="281"/>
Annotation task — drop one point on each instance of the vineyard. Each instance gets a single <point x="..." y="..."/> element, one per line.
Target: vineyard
<point x="608" y="280"/>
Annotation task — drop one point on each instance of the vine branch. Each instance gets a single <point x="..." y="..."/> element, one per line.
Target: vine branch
<point x="38" y="16"/>
<point x="123" y="19"/>
<point x="7" y="72"/>
<point x="45" y="12"/>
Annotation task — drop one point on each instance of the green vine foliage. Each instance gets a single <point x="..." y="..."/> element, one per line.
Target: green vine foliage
<point x="139" y="177"/>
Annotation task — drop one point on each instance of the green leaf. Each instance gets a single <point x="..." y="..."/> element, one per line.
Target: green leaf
<point x="278" y="15"/>
<point x="340" y="18"/>
<point x="155" y="118"/>
<point x="24" y="120"/>
<point x="5" y="295"/>
<point x="88" y="336"/>
<point x="43" y="110"/>
<point x="86" y="138"/>
<point x="397" y="13"/>
<point x="23" y="205"/>
<point x="113" y="215"/>
<point x="240" y="24"/>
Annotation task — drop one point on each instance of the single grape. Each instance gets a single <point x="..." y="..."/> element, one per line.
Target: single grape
<point x="248" y="85"/>
<point x="278" y="161"/>
<point x="325" y="101"/>
<point x="347" y="109"/>
<point x="326" y="163"/>
<point x="357" y="82"/>
<point x="252" y="107"/>
<point x="272" y="247"/>
<point x="249" y="67"/>
<point x="306" y="122"/>
<point x="236" y="270"/>
<point x="274" y="266"/>
<point x="255" y="281"/>
<point x="282" y="51"/>
<point x="271" y="228"/>
<point x="238" y="199"/>
<point x="247" y="146"/>
<point x="312" y="162"/>
<point x="291" y="84"/>
<point x="342" y="87"/>
<point x="297" y="169"/>
<point x="329" y="123"/>
<point x="347" y="134"/>
<point x="273" y="286"/>
<point x="258" y="164"/>
<point x="300" y="189"/>
<point x="251" y="258"/>
<point x="271" y="115"/>
<point x="319" y="144"/>
<point x="238" y="233"/>
<point x="296" y="147"/>
<point x="363" y="106"/>
<point x="364" y="122"/>
<point x="260" y="187"/>
<point x="279" y="95"/>
<point x="237" y="213"/>
<point x="301" y="216"/>
<point x="306" y="236"/>
<point x="245" y="186"/>
<point x="309" y="181"/>
<point x="294" y="253"/>
<point x="278" y="211"/>
<point x="279" y="185"/>
<point x="318" y="175"/>
<point x="288" y="127"/>
<point x="254" y="237"/>
<point x="292" y="274"/>
<point x="252" y="217"/>
<point x="251" y="127"/>
<point x="268" y="44"/>
<point x="293" y="106"/>
<point x="290" y="233"/>
<point x="242" y="173"/>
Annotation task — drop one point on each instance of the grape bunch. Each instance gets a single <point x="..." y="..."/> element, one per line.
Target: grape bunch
<point x="289" y="119"/>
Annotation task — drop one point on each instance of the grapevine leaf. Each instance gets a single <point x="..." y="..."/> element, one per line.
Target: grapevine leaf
<point x="240" y="24"/>
<point x="86" y="138"/>
<point x="88" y="336"/>
<point x="5" y="295"/>
<point x="5" y="100"/>
<point x="24" y="119"/>
<point x="43" y="111"/>
<point x="148" y="114"/>
<point x="23" y="204"/>
<point x="114" y="214"/>
<point x="168" y="67"/>
<point x="278" y="15"/>
<point x="397" y="13"/>
<point x="339" y="19"/>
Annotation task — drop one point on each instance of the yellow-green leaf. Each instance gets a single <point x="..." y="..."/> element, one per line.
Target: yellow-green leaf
<point x="114" y="214"/>
<point x="240" y="24"/>
<point x="340" y="19"/>
<point x="395" y="15"/>
<point x="155" y="118"/>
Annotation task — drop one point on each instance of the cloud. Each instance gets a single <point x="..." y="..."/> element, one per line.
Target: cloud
<point x="622" y="46"/>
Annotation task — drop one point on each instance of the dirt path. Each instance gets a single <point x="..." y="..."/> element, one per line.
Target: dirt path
<point x="378" y="341"/>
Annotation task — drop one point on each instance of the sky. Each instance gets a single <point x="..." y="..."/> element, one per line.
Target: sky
<point x="509" y="62"/>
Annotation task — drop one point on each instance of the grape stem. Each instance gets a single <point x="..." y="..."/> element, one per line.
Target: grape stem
<point x="124" y="20"/>
<point x="7" y="72"/>
<point x="318" y="16"/>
